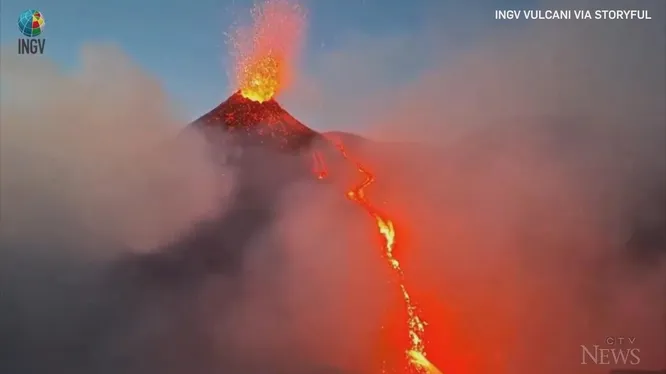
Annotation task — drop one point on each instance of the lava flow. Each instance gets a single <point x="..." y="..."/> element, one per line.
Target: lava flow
<point x="416" y="352"/>
<point x="265" y="54"/>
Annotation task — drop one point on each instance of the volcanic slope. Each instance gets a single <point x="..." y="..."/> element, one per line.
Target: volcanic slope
<point x="252" y="123"/>
<point x="268" y="150"/>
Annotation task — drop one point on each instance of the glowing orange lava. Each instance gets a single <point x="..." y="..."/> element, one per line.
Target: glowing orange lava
<point x="266" y="51"/>
<point x="265" y="55"/>
<point x="261" y="79"/>
<point x="416" y="352"/>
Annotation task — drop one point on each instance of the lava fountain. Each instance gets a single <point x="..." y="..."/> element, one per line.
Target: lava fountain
<point x="266" y="52"/>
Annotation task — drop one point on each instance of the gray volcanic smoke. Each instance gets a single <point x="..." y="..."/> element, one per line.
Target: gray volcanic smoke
<point x="129" y="246"/>
<point x="534" y="214"/>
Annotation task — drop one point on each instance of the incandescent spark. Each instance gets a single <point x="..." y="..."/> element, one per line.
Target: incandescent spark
<point x="266" y="52"/>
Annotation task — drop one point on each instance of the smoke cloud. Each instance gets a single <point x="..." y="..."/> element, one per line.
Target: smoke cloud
<point x="131" y="245"/>
<point x="534" y="205"/>
<point x="105" y="151"/>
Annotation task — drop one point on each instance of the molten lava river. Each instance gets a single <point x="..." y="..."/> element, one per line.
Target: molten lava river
<point x="264" y="55"/>
<point x="415" y="352"/>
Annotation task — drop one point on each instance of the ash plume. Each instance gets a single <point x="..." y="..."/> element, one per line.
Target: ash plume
<point x="529" y="172"/>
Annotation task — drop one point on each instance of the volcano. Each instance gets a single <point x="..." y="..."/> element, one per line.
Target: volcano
<point x="251" y="122"/>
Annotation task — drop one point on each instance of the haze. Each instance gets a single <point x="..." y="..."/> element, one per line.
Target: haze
<point x="524" y="174"/>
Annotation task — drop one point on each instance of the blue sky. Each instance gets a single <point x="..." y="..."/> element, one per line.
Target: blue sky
<point x="182" y="42"/>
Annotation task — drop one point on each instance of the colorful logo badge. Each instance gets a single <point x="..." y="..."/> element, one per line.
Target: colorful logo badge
<point x="31" y="23"/>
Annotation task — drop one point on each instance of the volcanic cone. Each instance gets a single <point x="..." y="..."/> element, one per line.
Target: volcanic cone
<point x="253" y="122"/>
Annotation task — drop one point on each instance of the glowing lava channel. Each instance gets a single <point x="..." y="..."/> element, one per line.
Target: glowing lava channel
<point x="416" y="352"/>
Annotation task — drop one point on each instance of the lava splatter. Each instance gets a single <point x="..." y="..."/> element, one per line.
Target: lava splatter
<point x="266" y="51"/>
